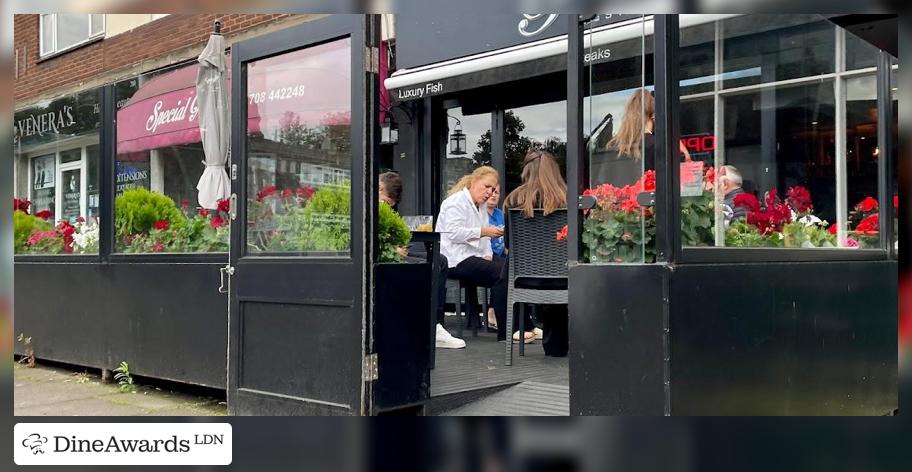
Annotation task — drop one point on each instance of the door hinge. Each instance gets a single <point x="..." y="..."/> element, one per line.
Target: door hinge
<point x="371" y="370"/>
<point x="233" y="171"/>
<point x="372" y="59"/>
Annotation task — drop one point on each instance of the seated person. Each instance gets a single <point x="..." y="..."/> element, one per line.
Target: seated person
<point x="730" y="181"/>
<point x="543" y="187"/>
<point x="496" y="218"/>
<point x="465" y="242"/>
<point x="390" y="190"/>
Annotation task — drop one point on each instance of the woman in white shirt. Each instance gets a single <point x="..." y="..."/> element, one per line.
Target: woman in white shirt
<point x="465" y="242"/>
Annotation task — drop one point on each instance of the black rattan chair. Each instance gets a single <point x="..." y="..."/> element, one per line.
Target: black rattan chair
<point x="538" y="266"/>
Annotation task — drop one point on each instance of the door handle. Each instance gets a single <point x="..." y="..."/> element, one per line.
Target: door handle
<point x="223" y="288"/>
<point x="232" y="207"/>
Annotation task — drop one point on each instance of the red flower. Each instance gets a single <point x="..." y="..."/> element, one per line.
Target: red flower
<point x="649" y="181"/>
<point x="159" y="247"/>
<point x="21" y="205"/>
<point x="587" y="192"/>
<point x="305" y="192"/>
<point x="203" y="212"/>
<point x="799" y="198"/>
<point x="869" y="204"/>
<point x="184" y="203"/>
<point x="286" y="193"/>
<point x="896" y="202"/>
<point x="562" y="234"/>
<point x="266" y="192"/>
<point x="747" y="200"/>
<point x="44" y="214"/>
<point x="772" y="198"/>
<point x="868" y="226"/>
<point x="630" y="206"/>
<point x="162" y="224"/>
<point x="216" y="222"/>
<point x="39" y="236"/>
<point x="710" y="176"/>
<point x="833" y="228"/>
<point x="224" y="205"/>
<point x="80" y="219"/>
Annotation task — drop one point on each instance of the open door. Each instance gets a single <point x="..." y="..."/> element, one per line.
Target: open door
<point x="303" y="124"/>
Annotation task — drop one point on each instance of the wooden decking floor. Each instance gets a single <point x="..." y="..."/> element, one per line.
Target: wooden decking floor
<point x="481" y="366"/>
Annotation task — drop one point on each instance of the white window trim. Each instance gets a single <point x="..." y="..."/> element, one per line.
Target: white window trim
<point x="53" y="51"/>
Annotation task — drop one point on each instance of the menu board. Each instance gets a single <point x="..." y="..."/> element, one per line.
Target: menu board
<point x="43" y="181"/>
<point x="72" y="195"/>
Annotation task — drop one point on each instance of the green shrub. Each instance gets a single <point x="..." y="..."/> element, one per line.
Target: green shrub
<point x="23" y="227"/>
<point x="136" y="211"/>
<point x="326" y="225"/>
<point x="392" y="233"/>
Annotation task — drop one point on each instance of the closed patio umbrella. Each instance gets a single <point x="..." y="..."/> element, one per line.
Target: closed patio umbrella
<point x="214" y="123"/>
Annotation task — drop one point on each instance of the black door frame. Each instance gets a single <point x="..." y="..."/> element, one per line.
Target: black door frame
<point x="303" y="287"/>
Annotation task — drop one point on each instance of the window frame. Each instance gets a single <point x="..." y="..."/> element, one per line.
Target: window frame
<point x="45" y="52"/>
<point x="722" y="254"/>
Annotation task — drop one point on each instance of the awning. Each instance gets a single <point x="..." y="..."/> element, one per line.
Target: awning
<point x="517" y="62"/>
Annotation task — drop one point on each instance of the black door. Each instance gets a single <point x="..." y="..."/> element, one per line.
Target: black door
<point x="302" y="112"/>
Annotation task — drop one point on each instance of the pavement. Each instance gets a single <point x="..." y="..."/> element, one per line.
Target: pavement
<point x="56" y="391"/>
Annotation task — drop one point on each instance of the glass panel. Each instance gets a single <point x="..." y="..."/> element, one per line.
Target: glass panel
<point x="71" y="201"/>
<point x="541" y="126"/>
<point x="859" y="53"/>
<point x="70" y="155"/>
<point x="54" y="222"/>
<point x="158" y="164"/>
<point x="862" y="157"/>
<point x="97" y="24"/>
<point x="299" y="152"/>
<point x="768" y="48"/>
<point x="770" y="151"/>
<point x="477" y="152"/>
<point x="47" y="34"/>
<point x="71" y="29"/>
<point x="618" y="123"/>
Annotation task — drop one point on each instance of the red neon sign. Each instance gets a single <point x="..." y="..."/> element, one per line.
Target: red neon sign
<point x="705" y="143"/>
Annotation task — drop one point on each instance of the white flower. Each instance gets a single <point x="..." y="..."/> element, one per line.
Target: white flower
<point x="85" y="238"/>
<point x="810" y="220"/>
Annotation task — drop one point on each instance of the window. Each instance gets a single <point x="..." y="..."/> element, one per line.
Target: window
<point x="299" y="152"/>
<point x="60" y="31"/>
<point x="158" y="164"/>
<point x="474" y="152"/>
<point x="783" y="143"/>
<point x="56" y="165"/>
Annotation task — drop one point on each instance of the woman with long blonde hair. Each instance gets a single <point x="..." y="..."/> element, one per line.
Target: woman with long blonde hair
<point x="542" y="188"/>
<point x="631" y="151"/>
<point x="465" y="241"/>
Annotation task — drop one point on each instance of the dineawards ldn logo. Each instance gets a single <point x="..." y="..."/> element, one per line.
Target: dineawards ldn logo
<point x="120" y="443"/>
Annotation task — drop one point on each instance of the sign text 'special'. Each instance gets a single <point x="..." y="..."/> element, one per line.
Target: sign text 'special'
<point x="71" y="444"/>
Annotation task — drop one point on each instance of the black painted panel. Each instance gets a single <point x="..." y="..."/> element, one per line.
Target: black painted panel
<point x="784" y="339"/>
<point x="284" y="350"/>
<point x="616" y="343"/>
<point x="167" y="320"/>
<point x="402" y="341"/>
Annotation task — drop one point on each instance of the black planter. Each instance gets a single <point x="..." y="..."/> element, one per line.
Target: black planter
<point x="402" y="321"/>
<point x="806" y="338"/>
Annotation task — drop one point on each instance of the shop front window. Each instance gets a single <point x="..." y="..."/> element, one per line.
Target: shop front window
<point x="772" y="164"/>
<point x="474" y="132"/>
<point x="299" y="152"/>
<point x="159" y="162"/>
<point x="55" y="155"/>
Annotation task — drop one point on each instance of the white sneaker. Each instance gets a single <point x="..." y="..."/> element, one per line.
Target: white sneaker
<point x="446" y="340"/>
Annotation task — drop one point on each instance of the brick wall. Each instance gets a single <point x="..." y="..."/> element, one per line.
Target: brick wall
<point x="167" y="40"/>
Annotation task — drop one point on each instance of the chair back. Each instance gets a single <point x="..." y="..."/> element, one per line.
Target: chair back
<point x="533" y="245"/>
